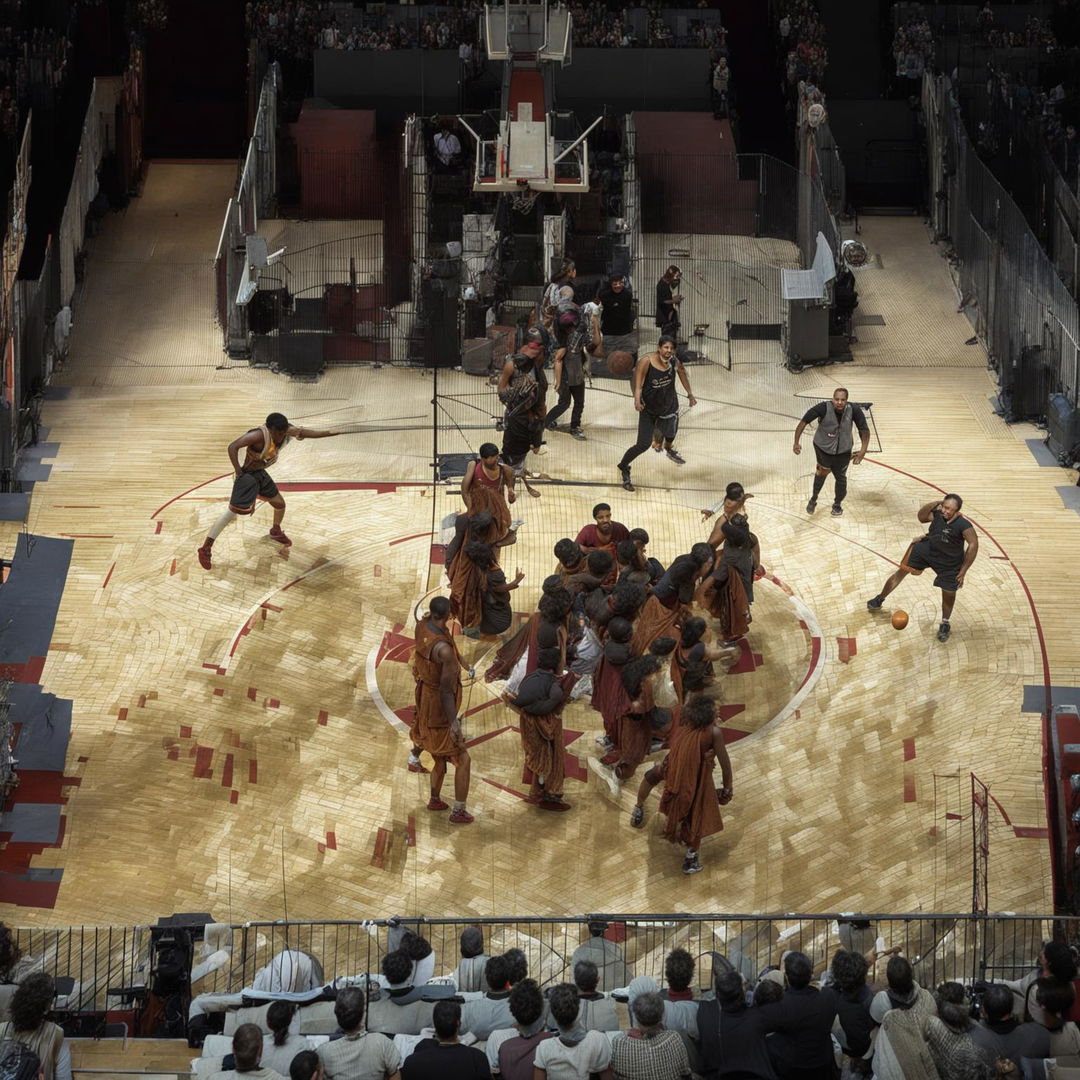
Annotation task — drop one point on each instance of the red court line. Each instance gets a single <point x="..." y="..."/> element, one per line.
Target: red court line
<point x="382" y="842"/>
<point x="503" y="787"/>
<point x="108" y="575"/>
<point x="415" y="536"/>
<point x="188" y="492"/>
<point x="909" y="749"/>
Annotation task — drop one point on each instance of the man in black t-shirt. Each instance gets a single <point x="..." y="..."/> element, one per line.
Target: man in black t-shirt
<point x="444" y="1058"/>
<point x="948" y="548"/>
<point x="618" y="324"/>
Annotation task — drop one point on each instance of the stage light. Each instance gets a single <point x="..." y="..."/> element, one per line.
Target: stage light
<point x="1074" y="781"/>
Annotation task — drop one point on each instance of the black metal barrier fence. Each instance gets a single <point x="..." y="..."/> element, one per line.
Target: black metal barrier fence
<point x="226" y="959"/>
<point x="1010" y="288"/>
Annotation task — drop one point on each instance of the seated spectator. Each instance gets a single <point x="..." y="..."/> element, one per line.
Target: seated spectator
<point x="360" y="1055"/>
<point x="30" y="1006"/>
<point x="400" y="1009"/>
<point x="511" y="1051"/>
<point x="596" y="1011"/>
<point x="447" y="147"/>
<point x="10" y="954"/>
<point x="289" y="972"/>
<point x="801" y="1046"/>
<point x="648" y="1051"/>
<point x="469" y="975"/>
<point x="575" y="1053"/>
<point x="247" y="1045"/>
<point x="306" y="1066"/>
<point x="949" y="1035"/>
<point x="422" y="955"/>
<point x="606" y="955"/>
<point x="1000" y="1036"/>
<point x="732" y="1034"/>
<point x="445" y="1057"/>
<point x="491" y="1011"/>
<point x="281" y="1045"/>
<point x="519" y="965"/>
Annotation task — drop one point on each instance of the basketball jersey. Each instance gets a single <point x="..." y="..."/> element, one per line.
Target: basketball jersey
<point x="658" y="391"/>
<point x="264" y="458"/>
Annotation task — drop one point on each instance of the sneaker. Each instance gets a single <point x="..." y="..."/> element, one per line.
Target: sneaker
<point x="875" y="603"/>
<point x="461" y="817"/>
<point x="516" y="524"/>
<point x="472" y="632"/>
<point x="278" y="535"/>
<point x="944" y="630"/>
<point x="624" y="475"/>
<point x="582" y="688"/>
<point x="658" y="447"/>
<point x="607" y="774"/>
<point x="656" y="746"/>
<point x="605" y="742"/>
<point x="553" y="802"/>
<point x="577" y="433"/>
<point x="551" y="425"/>
<point x="811" y="506"/>
<point x="435" y="803"/>
<point x="204" y="557"/>
<point x="675" y="456"/>
<point x="837" y="510"/>
<point x="415" y="765"/>
<point x="637" y="817"/>
<point x="692" y="865"/>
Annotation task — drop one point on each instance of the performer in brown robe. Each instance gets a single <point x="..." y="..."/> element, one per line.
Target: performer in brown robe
<point x="729" y="591"/>
<point x="467" y="580"/>
<point x="489" y="485"/>
<point x="539" y="705"/>
<point x="691" y="801"/>
<point x="551" y="618"/>
<point x="663" y="611"/>
<point x="436" y="666"/>
<point x="609" y="697"/>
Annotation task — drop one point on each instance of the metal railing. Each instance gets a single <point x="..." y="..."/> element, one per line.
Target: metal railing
<point x="961" y="947"/>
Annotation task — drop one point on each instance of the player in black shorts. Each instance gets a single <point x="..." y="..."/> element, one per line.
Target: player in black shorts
<point x="833" y="444"/>
<point x="948" y="548"/>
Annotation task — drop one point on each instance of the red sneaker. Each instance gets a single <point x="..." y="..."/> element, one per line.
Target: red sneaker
<point x="461" y="817"/>
<point x="279" y="536"/>
<point x="435" y="803"/>
<point x="204" y="557"/>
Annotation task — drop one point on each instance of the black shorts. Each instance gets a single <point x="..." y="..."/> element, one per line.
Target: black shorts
<point x="919" y="559"/>
<point x="832" y="462"/>
<point x="248" y="487"/>
<point x="667" y="427"/>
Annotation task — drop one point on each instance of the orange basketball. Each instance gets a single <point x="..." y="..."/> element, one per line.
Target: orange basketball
<point x="620" y="363"/>
<point x="899" y="620"/>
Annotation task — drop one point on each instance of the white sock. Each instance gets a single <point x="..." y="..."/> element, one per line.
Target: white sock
<point x="219" y="525"/>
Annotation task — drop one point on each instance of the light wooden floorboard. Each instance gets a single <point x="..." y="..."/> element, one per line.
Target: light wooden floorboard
<point x="304" y="769"/>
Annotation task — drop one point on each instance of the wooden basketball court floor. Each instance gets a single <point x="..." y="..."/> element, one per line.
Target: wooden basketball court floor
<point x="236" y="731"/>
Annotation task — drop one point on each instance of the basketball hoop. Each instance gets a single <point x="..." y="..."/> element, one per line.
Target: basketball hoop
<point x="525" y="200"/>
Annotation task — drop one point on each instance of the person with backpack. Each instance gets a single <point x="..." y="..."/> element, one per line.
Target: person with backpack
<point x="29" y="1025"/>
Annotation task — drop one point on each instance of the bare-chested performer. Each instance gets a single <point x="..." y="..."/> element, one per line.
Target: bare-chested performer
<point x="437" y="666"/>
<point x="262" y="446"/>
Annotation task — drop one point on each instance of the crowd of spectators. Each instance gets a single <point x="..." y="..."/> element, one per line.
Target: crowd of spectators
<point x="802" y="41"/>
<point x="1037" y="33"/>
<point x="913" y="48"/>
<point x="851" y="1015"/>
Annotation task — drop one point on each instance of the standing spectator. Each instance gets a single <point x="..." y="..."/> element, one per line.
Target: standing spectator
<point x="948" y="1035"/>
<point x="668" y="301"/>
<point x="732" y="1034"/>
<point x="801" y="1046"/>
<point x="618" y="324"/>
<point x="30" y="1006"/>
<point x="721" y="79"/>
<point x="902" y="1010"/>
<point x="606" y="955"/>
<point x="447" y="146"/>
<point x="1000" y="1037"/>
